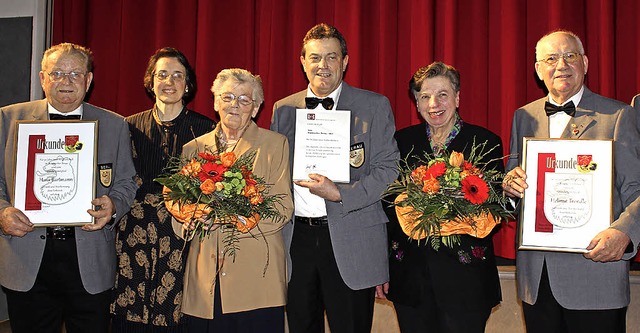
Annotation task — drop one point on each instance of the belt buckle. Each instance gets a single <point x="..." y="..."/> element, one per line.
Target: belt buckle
<point x="59" y="232"/>
<point x="312" y="221"/>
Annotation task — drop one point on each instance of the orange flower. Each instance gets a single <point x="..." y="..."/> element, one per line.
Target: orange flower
<point x="256" y="199"/>
<point x="192" y="168"/>
<point x="227" y="159"/>
<point x="244" y="223"/>
<point x="249" y="191"/>
<point x="208" y="187"/>
<point x="431" y="185"/>
<point x="418" y="174"/>
<point x="456" y="159"/>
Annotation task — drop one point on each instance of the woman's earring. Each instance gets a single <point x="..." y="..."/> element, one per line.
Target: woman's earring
<point x="186" y="89"/>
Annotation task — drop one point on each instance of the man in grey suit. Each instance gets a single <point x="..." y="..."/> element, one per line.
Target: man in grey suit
<point x="64" y="274"/>
<point x="569" y="292"/>
<point x="337" y="241"/>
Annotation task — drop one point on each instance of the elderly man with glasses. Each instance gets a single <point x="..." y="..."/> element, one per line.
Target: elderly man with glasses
<point x="575" y="292"/>
<point x="61" y="273"/>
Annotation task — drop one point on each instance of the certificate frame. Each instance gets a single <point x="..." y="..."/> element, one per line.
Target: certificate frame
<point x="569" y="198"/>
<point x="55" y="171"/>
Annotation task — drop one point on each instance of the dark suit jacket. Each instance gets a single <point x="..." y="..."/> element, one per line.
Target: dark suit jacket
<point x="357" y="225"/>
<point x="468" y="283"/>
<point x="20" y="257"/>
<point x="579" y="283"/>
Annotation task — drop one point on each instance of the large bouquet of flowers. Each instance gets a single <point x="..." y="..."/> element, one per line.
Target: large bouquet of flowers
<point x="218" y="191"/>
<point x="448" y="196"/>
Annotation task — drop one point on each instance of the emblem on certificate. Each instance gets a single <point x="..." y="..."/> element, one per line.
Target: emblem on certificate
<point x="322" y="145"/>
<point x="55" y="171"/>
<point x="569" y="198"/>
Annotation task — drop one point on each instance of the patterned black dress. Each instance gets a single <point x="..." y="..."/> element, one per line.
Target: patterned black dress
<point x="148" y="289"/>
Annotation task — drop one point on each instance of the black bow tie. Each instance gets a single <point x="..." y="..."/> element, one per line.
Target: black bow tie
<point x="57" y="116"/>
<point x="312" y="102"/>
<point x="568" y="108"/>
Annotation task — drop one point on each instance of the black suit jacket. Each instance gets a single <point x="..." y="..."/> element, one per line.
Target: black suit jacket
<point x="458" y="278"/>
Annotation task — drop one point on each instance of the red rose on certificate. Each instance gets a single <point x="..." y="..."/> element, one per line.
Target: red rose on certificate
<point x="70" y="140"/>
<point x="584" y="160"/>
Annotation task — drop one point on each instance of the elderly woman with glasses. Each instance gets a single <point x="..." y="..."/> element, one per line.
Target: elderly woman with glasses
<point x="148" y="290"/>
<point x="452" y="289"/>
<point x="245" y="293"/>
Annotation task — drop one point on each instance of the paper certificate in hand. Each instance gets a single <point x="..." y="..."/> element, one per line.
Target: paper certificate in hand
<point x="322" y="144"/>
<point x="569" y="198"/>
<point x="55" y="171"/>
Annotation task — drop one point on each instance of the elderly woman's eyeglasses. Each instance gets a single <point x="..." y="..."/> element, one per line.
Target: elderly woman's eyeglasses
<point x="242" y="99"/>
<point x="164" y="75"/>
<point x="57" y="76"/>
<point x="569" y="58"/>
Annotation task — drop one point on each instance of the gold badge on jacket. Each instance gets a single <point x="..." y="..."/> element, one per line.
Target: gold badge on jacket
<point x="356" y="155"/>
<point x="106" y="174"/>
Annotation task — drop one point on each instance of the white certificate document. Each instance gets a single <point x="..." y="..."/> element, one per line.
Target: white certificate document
<point x="322" y="144"/>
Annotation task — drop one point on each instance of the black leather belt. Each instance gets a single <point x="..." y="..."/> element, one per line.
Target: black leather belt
<point x="313" y="221"/>
<point x="60" y="233"/>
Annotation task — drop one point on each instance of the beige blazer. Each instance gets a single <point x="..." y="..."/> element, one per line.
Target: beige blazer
<point x="244" y="283"/>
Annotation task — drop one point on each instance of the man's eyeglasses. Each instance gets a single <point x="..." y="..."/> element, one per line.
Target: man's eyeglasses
<point x="164" y="75"/>
<point x="57" y="76"/>
<point x="242" y="99"/>
<point x="569" y="58"/>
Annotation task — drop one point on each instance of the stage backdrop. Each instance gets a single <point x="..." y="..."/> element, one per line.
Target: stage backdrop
<point x="491" y="42"/>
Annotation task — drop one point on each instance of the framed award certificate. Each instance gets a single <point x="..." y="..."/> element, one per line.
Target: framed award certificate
<point x="569" y="199"/>
<point x="55" y="171"/>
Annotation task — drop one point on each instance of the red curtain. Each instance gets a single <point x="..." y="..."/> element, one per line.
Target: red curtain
<point x="491" y="42"/>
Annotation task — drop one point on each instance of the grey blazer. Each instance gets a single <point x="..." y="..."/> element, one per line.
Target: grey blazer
<point x="579" y="283"/>
<point x="357" y="225"/>
<point x="20" y="257"/>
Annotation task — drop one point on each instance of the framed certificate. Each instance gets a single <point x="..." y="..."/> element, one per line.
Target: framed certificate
<point x="569" y="198"/>
<point x="55" y="171"/>
<point x="322" y="144"/>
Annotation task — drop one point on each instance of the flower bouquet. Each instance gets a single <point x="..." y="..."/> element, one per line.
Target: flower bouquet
<point x="449" y="196"/>
<point x="218" y="191"/>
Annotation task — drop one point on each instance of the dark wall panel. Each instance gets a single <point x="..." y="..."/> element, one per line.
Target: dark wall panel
<point x="15" y="59"/>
